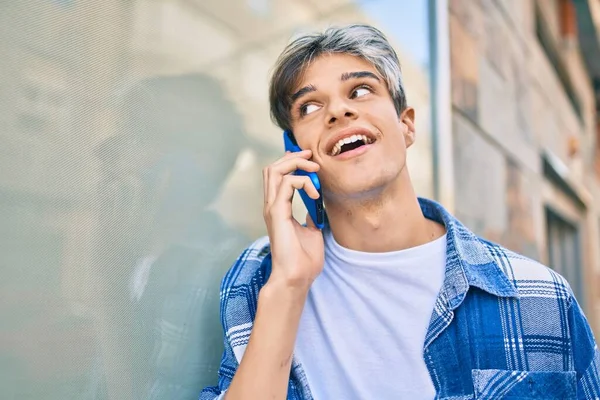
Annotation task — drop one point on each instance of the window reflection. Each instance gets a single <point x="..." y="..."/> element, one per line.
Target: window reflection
<point x="132" y="138"/>
<point x="178" y="139"/>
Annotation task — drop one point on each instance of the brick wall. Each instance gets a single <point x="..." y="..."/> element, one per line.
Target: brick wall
<point x="510" y="105"/>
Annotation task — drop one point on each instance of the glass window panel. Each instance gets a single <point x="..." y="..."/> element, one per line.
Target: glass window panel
<point x="132" y="139"/>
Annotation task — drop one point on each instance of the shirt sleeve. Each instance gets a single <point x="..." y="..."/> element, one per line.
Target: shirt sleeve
<point x="586" y="356"/>
<point x="227" y="369"/>
<point x="213" y="393"/>
<point x="238" y="300"/>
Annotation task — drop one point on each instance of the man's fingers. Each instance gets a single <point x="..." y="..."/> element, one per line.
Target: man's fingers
<point x="298" y="154"/>
<point x="289" y="184"/>
<point x="274" y="173"/>
<point x="289" y="165"/>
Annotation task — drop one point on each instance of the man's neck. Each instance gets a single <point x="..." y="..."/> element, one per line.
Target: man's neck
<point x="392" y="220"/>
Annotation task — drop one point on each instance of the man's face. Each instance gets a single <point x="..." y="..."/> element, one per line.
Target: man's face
<point x="343" y="99"/>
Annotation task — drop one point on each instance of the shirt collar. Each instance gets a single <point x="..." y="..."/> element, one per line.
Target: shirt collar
<point x="469" y="261"/>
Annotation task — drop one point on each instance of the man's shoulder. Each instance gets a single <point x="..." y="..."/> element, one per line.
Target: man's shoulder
<point x="251" y="265"/>
<point x="239" y="293"/>
<point x="531" y="278"/>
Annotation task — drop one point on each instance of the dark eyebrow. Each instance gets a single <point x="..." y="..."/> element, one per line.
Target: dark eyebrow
<point x="303" y="91"/>
<point x="359" y="74"/>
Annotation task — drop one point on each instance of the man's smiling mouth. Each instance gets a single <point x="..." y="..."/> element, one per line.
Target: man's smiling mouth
<point x="350" y="143"/>
<point x="350" y="139"/>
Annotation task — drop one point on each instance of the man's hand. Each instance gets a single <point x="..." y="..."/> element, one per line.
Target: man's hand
<point x="297" y="251"/>
<point x="297" y="259"/>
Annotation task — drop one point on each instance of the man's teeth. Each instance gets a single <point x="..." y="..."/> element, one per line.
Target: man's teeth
<point x="350" y="139"/>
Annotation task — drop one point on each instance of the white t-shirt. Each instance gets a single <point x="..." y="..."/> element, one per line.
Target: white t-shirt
<point x="363" y="327"/>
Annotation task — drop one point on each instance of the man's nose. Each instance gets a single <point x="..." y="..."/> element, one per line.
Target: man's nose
<point x="340" y="110"/>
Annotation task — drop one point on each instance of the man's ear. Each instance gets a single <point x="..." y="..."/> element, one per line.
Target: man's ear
<point x="408" y="119"/>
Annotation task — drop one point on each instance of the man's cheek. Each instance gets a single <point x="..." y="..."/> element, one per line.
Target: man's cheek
<point x="326" y="178"/>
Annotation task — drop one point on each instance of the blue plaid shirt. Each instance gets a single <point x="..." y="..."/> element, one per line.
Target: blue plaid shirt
<point x="503" y="326"/>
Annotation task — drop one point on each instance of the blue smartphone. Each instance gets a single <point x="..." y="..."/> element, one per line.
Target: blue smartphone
<point x="314" y="207"/>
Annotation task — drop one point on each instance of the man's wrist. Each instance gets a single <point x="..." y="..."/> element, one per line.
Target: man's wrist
<point x="281" y="281"/>
<point x="280" y="289"/>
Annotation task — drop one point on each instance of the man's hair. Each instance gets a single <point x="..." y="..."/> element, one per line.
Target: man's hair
<point x="362" y="41"/>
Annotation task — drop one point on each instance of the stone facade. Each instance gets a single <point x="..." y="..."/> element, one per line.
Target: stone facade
<point x="513" y="107"/>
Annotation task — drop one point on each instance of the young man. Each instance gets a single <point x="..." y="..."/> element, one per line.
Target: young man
<point x="394" y="299"/>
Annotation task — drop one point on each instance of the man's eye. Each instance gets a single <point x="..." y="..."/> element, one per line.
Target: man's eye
<point x="308" y="108"/>
<point x="359" y="92"/>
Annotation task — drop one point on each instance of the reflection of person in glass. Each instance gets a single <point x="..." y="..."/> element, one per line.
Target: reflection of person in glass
<point x="394" y="298"/>
<point x="187" y="136"/>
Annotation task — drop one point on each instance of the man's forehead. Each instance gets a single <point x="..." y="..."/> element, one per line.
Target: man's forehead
<point x="336" y="63"/>
<point x="333" y="66"/>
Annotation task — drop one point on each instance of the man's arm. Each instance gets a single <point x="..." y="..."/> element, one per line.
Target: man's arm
<point x="297" y="254"/>
<point x="265" y="368"/>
